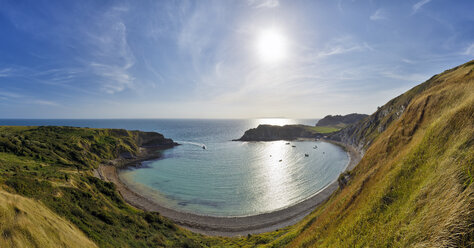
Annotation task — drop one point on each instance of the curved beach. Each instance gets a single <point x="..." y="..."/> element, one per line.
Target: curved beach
<point x="229" y="226"/>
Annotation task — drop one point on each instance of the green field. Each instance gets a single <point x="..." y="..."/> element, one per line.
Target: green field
<point x="324" y="129"/>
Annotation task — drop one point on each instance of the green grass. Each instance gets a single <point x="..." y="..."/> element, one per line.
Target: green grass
<point x="54" y="166"/>
<point x="324" y="129"/>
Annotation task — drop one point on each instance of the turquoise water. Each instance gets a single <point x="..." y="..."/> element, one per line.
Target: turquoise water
<point x="227" y="178"/>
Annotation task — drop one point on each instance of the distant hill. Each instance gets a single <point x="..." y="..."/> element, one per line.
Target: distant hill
<point x="340" y="120"/>
<point x="287" y="132"/>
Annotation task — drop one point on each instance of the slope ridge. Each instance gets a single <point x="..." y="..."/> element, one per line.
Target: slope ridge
<point x="413" y="187"/>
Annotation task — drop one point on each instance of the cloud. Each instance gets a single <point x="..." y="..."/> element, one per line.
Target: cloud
<point x="44" y="102"/>
<point x="341" y="46"/>
<point x="409" y="61"/>
<point x="469" y="50"/>
<point x="263" y="3"/>
<point x="110" y="56"/>
<point x="114" y="78"/>
<point x="417" y="6"/>
<point x="339" y="49"/>
<point x="6" y="72"/>
<point x="410" y="77"/>
<point x="7" y="94"/>
<point x="379" y="14"/>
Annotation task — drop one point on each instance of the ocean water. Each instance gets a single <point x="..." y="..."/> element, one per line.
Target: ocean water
<point x="228" y="178"/>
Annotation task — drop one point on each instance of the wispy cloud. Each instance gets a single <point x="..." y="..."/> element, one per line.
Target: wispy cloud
<point x="5" y="72"/>
<point x="343" y="45"/>
<point x="114" y="78"/>
<point x="8" y="94"/>
<point x="44" y="102"/>
<point x="417" y="6"/>
<point x="263" y="3"/>
<point x="410" y="77"/>
<point x="18" y="98"/>
<point x="469" y="50"/>
<point x="379" y="14"/>
<point x="110" y="55"/>
<point x="408" y="61"/>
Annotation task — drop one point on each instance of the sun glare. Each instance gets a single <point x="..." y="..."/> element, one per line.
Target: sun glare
<point x="271" y="45"/>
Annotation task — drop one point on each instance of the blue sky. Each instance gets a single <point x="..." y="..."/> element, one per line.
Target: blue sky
<point x="199" y="59"/>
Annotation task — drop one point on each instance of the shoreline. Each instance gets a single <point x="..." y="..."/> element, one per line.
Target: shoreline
<point x="224" y="226"/>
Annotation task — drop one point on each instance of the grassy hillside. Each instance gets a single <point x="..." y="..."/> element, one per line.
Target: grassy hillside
<point x="340" y="121"/>
<point x="414" y="186"/>
<point x="53" y="166"/>
<point x="28" y="223"/>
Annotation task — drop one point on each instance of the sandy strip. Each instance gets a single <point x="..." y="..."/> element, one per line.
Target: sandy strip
<point x="228" y="226"/>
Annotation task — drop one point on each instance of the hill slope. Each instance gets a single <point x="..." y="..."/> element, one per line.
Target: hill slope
<point x="28" y="223"/>
<point x="414" y="186"/>
<point x="52" y="169"/>
<point x="340" y="120"/>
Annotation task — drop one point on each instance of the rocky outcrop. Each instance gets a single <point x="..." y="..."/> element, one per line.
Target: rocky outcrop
<point x="341" y="120"/>
<point x="152" y="139"/>
<point x="287" y="132"/>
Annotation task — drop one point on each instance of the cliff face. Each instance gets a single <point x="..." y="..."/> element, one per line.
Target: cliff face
<point x="341" y="120"/>
<point x="152" y="139"/>
<point x="287" y="132"/>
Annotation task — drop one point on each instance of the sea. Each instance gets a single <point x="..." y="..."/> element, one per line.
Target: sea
<point x="209" y="174"/>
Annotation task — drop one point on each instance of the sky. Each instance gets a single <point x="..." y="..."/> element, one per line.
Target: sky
<point x="223" y="58"/>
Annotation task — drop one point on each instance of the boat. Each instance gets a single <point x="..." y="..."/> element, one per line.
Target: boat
<point x="287" y="143"/>
<point x="293" y="146"/>
<point x="204" y="147"/>
<point x="280" y="160"/>
<point x="306" y="155"/>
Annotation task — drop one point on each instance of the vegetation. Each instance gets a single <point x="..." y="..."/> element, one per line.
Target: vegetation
<point x="413" y="187"/>
<point x="324" y="129"/>
<point x="340" y="121"/>
<point x="28" y="223"/>
<point x="287" y="132"/>
<point x="53" y="166"/>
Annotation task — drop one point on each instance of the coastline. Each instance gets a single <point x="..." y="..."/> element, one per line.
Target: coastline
<point x="223" y="226"/>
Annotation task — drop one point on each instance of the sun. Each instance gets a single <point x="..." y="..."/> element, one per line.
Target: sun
<point x="271" y="45"/>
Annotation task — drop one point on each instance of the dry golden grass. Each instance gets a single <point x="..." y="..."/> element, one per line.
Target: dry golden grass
<point x="28" y="223"/>
<point x="413" y="188"/>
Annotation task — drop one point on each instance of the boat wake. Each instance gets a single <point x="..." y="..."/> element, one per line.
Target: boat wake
<point x="193" y="143"/>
